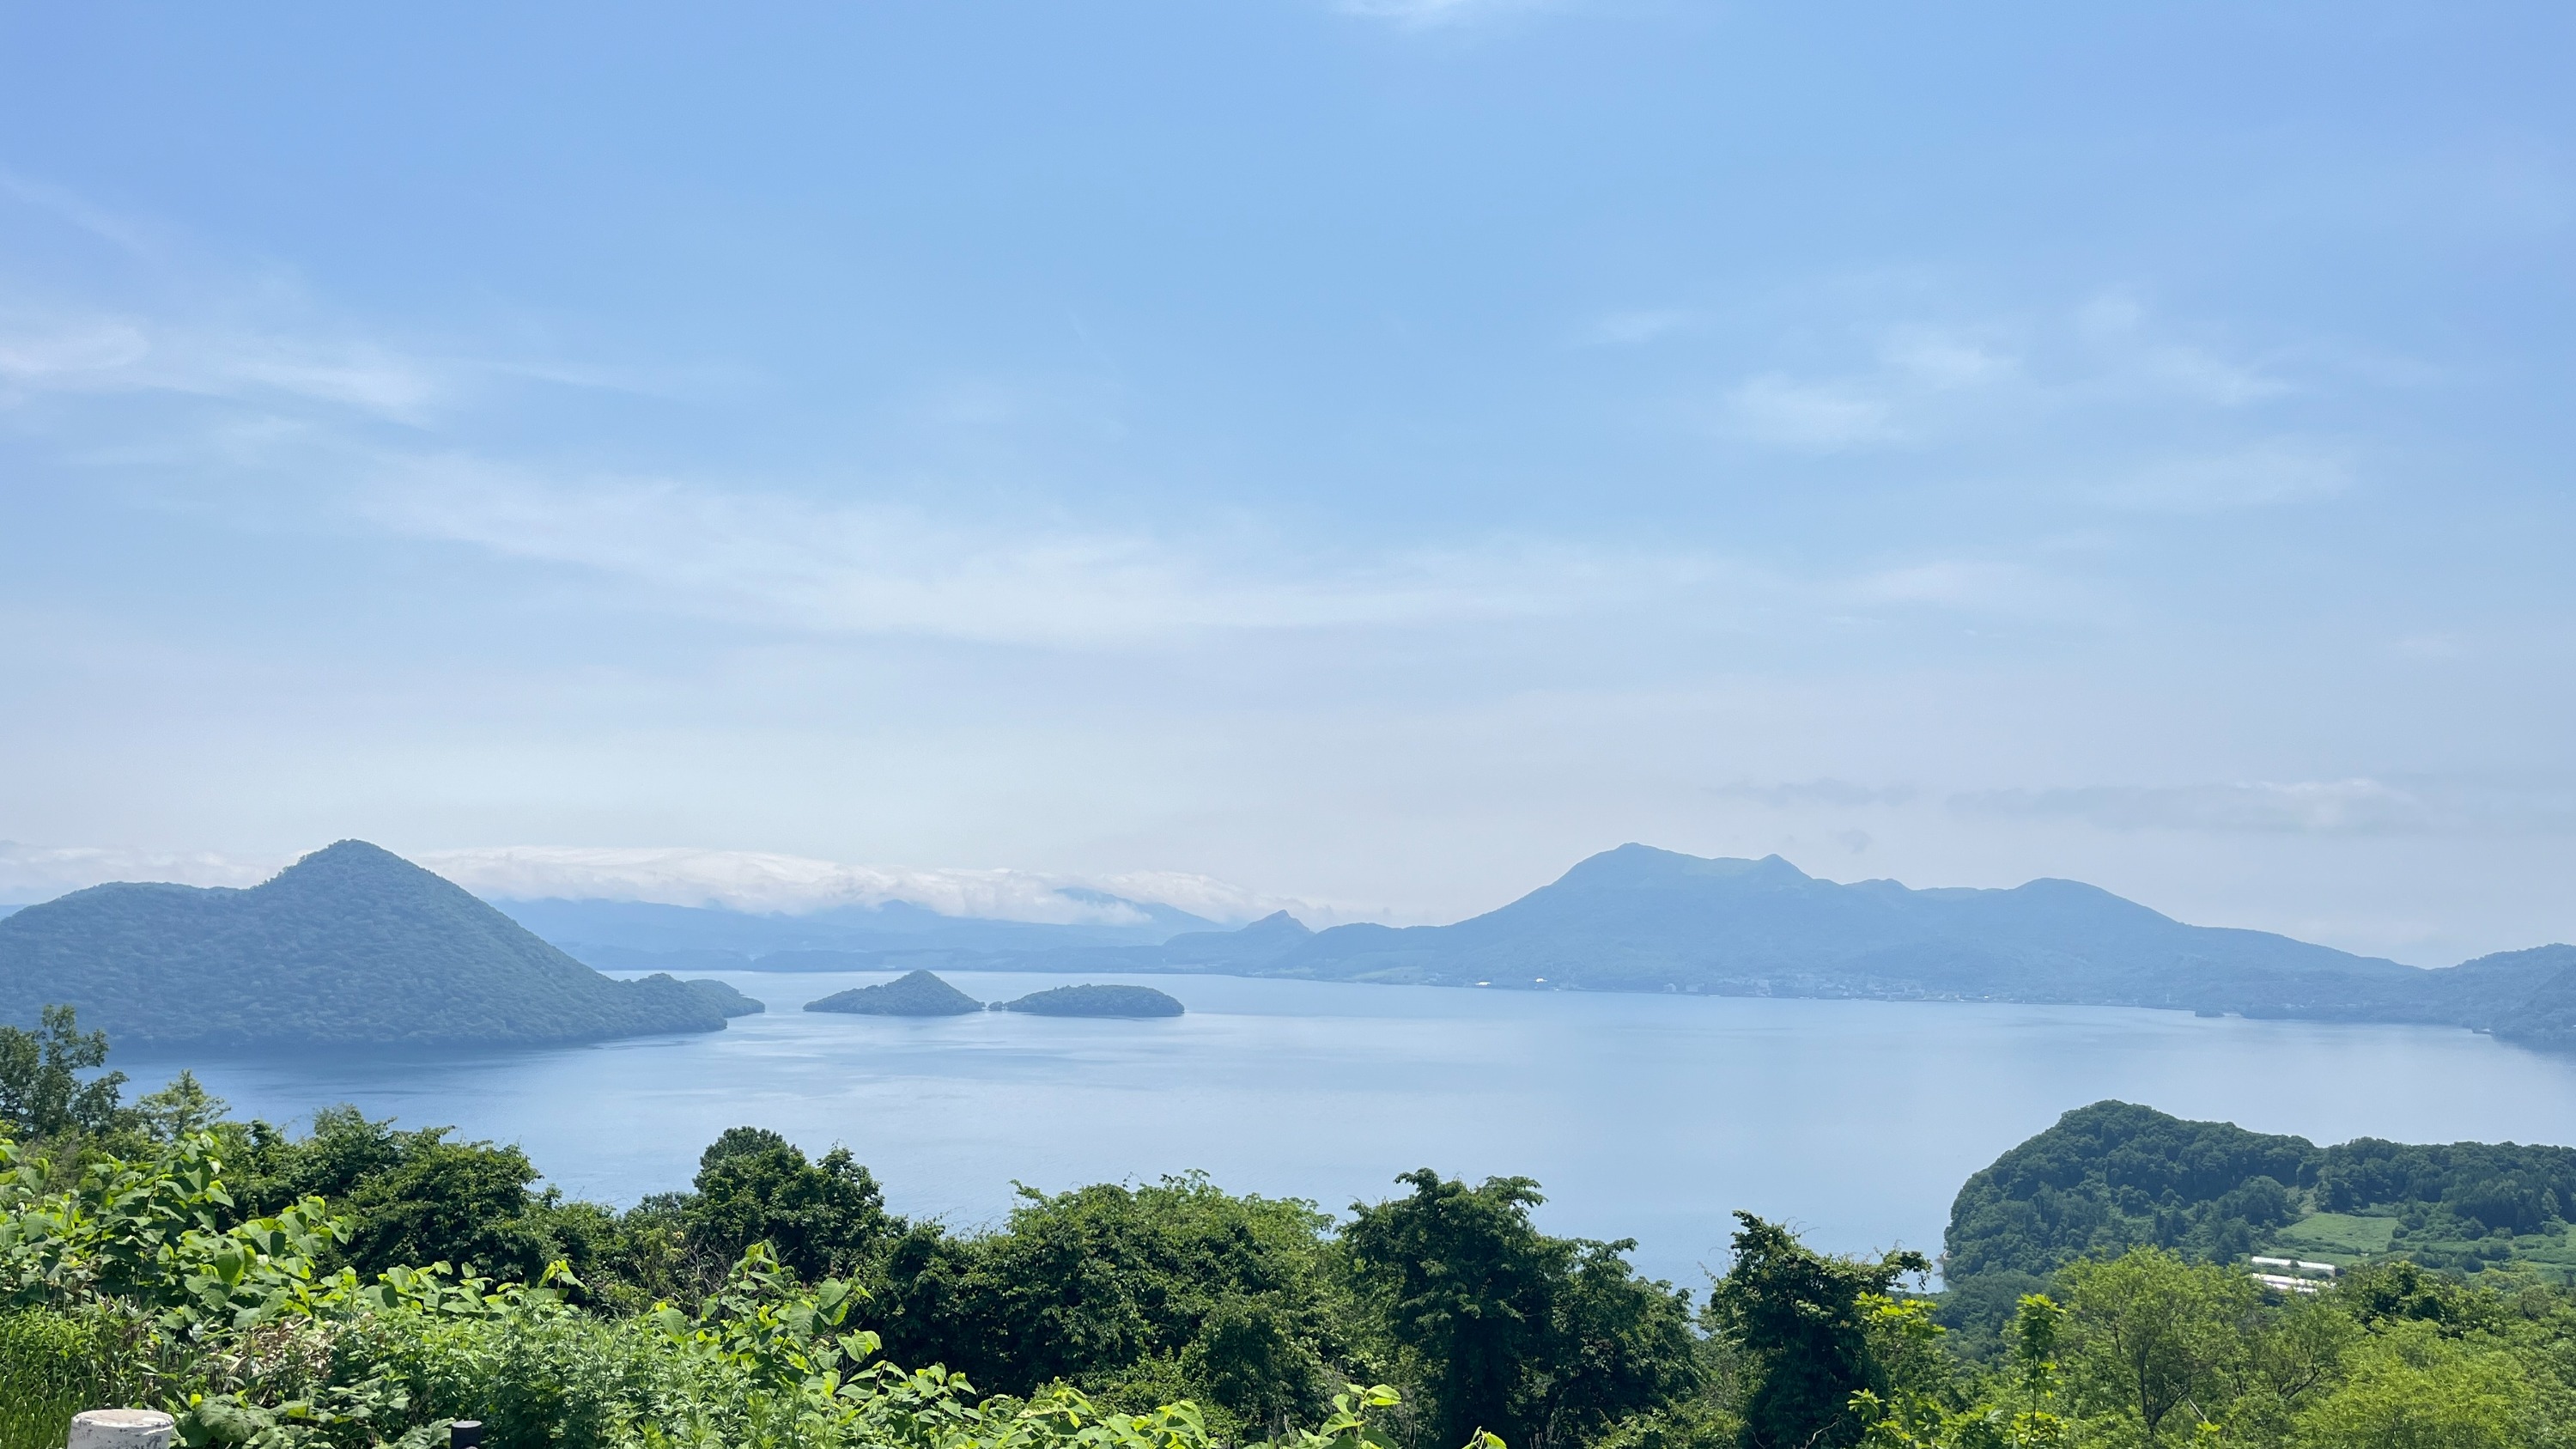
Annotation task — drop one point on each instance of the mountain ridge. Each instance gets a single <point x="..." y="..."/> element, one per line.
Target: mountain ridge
<point x="351" y="945"/>
<point x="1637" y="918"/>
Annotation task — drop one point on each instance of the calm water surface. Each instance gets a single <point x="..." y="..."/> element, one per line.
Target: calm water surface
<point x="1641" y="1116"/>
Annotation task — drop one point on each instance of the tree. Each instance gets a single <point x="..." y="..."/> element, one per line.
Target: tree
<point x="1173" y="1287"/>
<point x="822" y="1219"/>
<point x="1620" y="1345"/>
<point x="41" y="1091"/>
<point x="182" y="1109"/>
<point x="1464" y="1284"/>
<point x="1801" y="1318"/>
<point x="2413" y="1389"/>
<point x="2153" y="1332"/>
<point x="410" y="1198"/>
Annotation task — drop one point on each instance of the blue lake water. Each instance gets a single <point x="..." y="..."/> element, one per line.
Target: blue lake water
<point x="1642" y="1116"/>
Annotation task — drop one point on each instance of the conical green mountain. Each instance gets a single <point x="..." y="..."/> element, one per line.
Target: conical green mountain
<point x="918" y="994"/>
<point x="351" y="946"/>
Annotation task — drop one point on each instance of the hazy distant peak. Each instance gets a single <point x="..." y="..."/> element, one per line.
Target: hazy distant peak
<point x="1634" y="864"/>
<point x="352" y="859"/>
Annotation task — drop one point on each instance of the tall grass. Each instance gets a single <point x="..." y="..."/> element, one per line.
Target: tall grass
<point x="49" y="1371"/>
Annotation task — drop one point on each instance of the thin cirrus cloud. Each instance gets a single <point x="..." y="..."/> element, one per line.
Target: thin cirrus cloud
<point x="1826" y="417"/>
<point x="2260" y="474"/>
<point x="868" y="568"/>
<point x="2356" y="806"/>
<point x="104" y="355"/>
<point x="2109" y="364"/>
<point x="1427" y="14"/>
<point x="1632" y="327"/>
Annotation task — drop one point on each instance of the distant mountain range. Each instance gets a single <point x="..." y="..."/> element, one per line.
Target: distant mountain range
<point x="355" y="945"/>
<point x="1641" y="919"/>
<point x="637" y="935"/>
<point x="351" y="946"/>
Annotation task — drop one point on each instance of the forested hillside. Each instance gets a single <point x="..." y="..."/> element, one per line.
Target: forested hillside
<point x="350" y="947"/>
<point x="2113" y="1176"/>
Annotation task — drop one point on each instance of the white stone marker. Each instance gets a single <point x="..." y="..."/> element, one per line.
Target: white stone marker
<point x="121" y="1429"/>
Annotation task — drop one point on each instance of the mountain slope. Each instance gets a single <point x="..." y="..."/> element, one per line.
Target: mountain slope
<point x="350" y="946"/>
<point x="1636" y="918"/>
<point x="1640" y="919"/>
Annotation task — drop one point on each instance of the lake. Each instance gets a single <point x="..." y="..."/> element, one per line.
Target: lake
<point x="1648" y="1117"/>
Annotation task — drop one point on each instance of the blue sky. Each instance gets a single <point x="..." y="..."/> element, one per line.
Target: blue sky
<point x="1367" y="455"/>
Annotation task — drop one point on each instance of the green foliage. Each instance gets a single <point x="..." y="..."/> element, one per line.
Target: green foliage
<point x="363" y="1285"/>
<point x="1804" y="1321"/>
<point x="756" y="1188"/>
<point x="41" y="1090"/>
<point x="49" y="1371"/>
<point x="1128" y="1292"/>
<point x="414" y="1197"/>
<point x="123" y="1275"/>
<point x="2155" y="1335"/>
<point x="2113" y="1176"/>
<point x="1505" y="1329"/>
<point x="2412" y="1390"/>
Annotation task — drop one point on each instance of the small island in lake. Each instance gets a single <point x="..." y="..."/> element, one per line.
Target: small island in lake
<point x="919" y="994"/>
<point x="1095" y="1001"/>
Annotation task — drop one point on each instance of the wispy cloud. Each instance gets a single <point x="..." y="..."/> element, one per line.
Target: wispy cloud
<point x="1425" y="14"/>
<point x="2260" y="474"/>
<point x="1809" y="416"/>
<point x="1632" y="327"/>
<point x="2356" y="806"/>
<point x="872" y="568"/>
<point x="1830" y="794"/>
<point x="2107" y="368"/>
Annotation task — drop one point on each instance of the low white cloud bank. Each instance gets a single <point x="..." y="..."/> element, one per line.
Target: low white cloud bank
<point x="41" y="872"/>
<point x="758" y="881"/>
<point x="741" y="880"/>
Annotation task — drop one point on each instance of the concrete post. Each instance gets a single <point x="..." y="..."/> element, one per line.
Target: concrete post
<point x="121" y="1429"/>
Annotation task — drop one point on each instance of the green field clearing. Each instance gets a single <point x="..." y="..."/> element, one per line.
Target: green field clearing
<point x="2337" y="1236"/>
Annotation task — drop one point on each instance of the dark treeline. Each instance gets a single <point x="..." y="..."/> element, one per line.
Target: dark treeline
<point x="1262" y="1311"/>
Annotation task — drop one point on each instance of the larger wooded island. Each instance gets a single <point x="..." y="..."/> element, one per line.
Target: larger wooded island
<point x="351" y="946"/>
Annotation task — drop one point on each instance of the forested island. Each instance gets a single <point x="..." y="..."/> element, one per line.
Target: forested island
<point x="366" y="1283"/>
<point x="917" y="994"/>
<point x="350" y="948"/>
<point x="1096" y="1001"/>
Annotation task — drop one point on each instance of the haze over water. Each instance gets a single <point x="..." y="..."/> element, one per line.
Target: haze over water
<point x="1641" y="1116"/>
